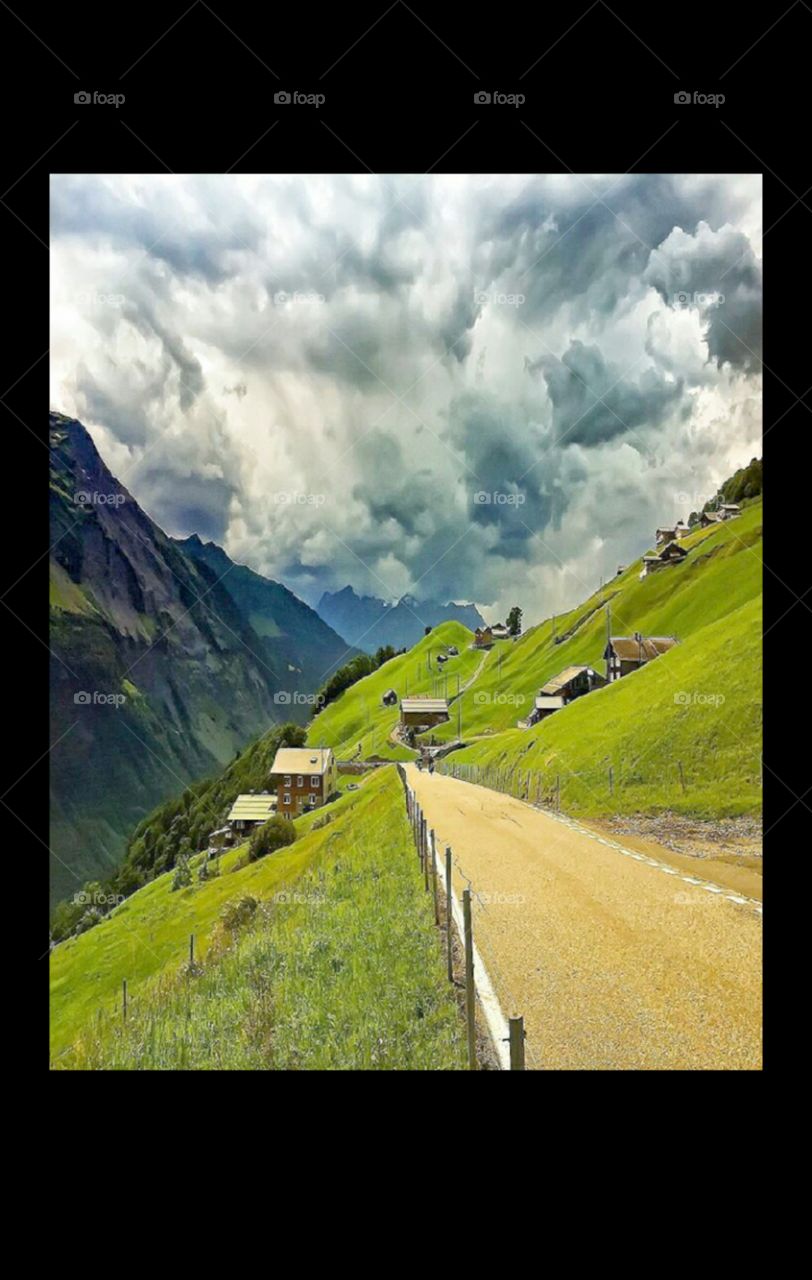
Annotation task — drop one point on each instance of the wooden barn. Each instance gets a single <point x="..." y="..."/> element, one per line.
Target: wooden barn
<point x="671" y="553"/>
<point x="710" y="517"/>
<point x="569" y="684"/>
<point x="624" y="654"/>
<point x="423" y="713"/>
<point x="250" y="811"/>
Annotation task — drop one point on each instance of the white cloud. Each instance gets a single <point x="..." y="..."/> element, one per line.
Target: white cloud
<point x="398" y="345"/>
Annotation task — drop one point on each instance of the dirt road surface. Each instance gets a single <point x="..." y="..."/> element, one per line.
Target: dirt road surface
<point x="616" y="961"/>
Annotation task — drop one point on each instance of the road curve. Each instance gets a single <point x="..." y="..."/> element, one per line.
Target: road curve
<point x="615" y="963"/>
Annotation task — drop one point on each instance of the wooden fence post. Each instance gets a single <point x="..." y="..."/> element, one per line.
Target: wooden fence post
<point x="434" y="878"/>
<point x="516" y="1037"/>
<point x="681" y="776"/>
<point x="124" y="999"/>
<point x="426" y="855"/>
<point x="470" y="995"/>
<point x="191" y="950"/>
<point x="611" y="781"/>
<point x="448" y="914"/>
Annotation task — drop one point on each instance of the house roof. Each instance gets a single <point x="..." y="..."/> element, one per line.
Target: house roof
<point x="666" y="528"/>
<point x="252" y="808"/>
<point x="432" y="705"/>
<point x="549" y="702"/>
<point x="713" y="516"/>
<point x="562" y="679"/>
<point x="672" y="548"/>
<point x="302" y="760"/>
<point x="629" y="649"/>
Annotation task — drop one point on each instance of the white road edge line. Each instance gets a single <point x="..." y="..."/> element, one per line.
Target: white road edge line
<point x="575" y="825"/>
<point x="488" y="999"/>
<point x="497" y="1023"/>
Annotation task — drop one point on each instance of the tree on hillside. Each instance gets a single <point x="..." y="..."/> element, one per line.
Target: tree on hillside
<point x="272" y="835"/>
<point x="362" y="665"/>
<point x="514" y="621"/>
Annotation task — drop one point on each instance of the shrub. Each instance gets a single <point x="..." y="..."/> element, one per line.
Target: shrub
<point x="237" y="913"/>
<point x="272" y="835"/>
<point x="323" y="821"/>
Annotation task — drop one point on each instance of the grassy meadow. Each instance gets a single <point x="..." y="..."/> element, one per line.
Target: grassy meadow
<point x="338" y="967"/>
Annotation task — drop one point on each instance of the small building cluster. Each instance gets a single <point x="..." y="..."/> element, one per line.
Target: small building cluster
<point x="671" y="534"/>
<point x="484" y="637"/>
<point x="303" y="778"/>
<point x="725" y="511"/>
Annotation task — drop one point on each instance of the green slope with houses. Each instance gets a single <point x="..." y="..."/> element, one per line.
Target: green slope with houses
<point x="321" y="956"/>
<point x="699" y="705"/>
<point x="359" y="725"/>
<point x="682" y="734"/>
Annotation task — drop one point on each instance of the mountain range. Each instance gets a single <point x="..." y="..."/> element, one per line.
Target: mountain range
<point x="167" y="658"/>
<point x="367" y="622"/>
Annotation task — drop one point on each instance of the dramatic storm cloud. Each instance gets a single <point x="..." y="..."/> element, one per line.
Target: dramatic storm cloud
<point x="477" y="388"/>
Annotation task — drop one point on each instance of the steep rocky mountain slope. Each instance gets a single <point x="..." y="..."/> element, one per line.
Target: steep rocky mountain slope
<point x="157" y="674"/>
<point x="301" y="648"/>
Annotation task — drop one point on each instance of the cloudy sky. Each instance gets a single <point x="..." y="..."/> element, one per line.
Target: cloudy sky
<point x="481" y="388"/>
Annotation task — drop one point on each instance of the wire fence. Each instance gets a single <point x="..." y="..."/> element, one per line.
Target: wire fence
<point x="663" y="779"/>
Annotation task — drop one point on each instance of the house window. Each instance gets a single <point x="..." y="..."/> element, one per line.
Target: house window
<point x="286" y="800"/>
<point x="314" y="781"/>
<point x="311" y="799"/>
<point x="300" y="781"/>
<point x="287" y="781"/>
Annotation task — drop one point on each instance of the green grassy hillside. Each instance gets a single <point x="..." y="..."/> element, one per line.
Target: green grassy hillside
<point x="722" y="572"/>
<point x="698" y="706"/>
<point x="358" y="716"/>
<point x="341" y="968"/>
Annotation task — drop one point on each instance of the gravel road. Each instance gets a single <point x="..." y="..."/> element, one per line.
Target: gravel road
<point x="615" y="963"/>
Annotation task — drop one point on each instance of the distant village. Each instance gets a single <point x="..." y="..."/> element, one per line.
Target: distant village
<point x="305" y="778"/>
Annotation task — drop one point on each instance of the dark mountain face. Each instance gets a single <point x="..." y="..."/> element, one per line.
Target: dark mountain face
<point x="158" y="676"/>
<point x="299" y="645"/>
<point x="368" y="622"/>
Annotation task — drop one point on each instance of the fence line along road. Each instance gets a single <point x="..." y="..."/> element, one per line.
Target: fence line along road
<point x="508" y="1037"/>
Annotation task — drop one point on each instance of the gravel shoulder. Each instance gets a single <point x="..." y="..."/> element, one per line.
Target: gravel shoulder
<point x="615" y="962"/>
